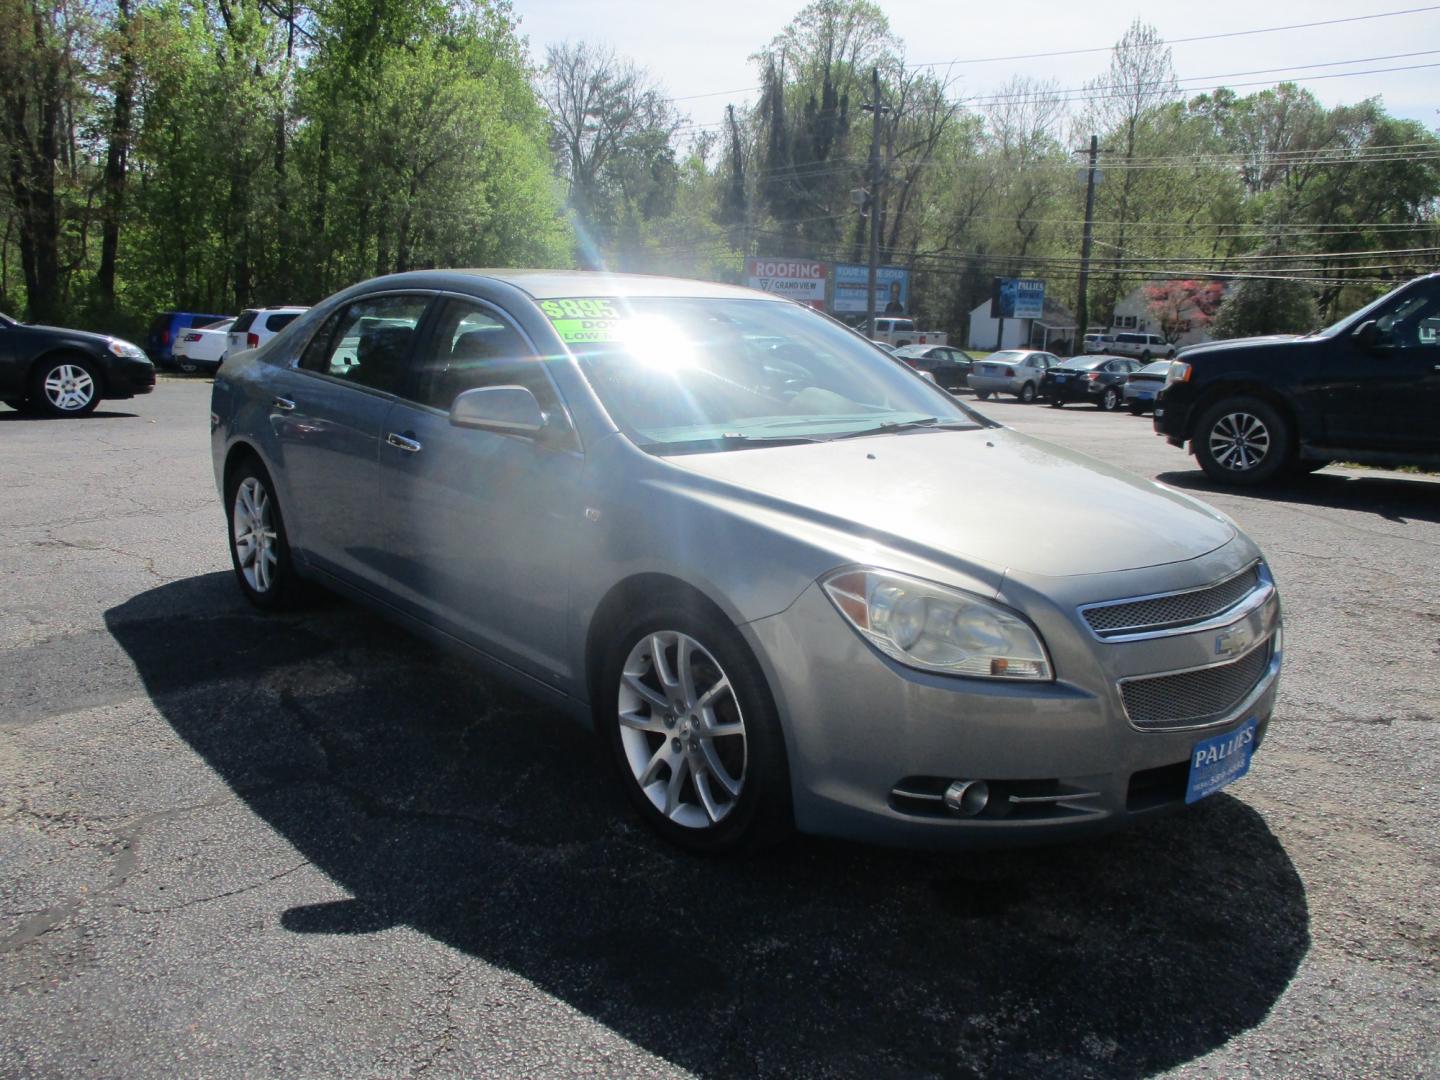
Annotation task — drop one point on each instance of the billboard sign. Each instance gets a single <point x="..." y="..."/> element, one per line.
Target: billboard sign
<point x="1017" y="298"/>
<point x="852" y="289"/>
<point x="794" y="279"/>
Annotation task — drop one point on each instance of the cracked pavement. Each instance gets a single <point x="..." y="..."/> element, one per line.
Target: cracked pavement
<point x="235" y="845"/>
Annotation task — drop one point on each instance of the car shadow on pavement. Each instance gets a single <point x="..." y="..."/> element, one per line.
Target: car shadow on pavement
<point x="442" y="801"/>
<point x="98" y="414"/>
<point x="1387" y="496"/>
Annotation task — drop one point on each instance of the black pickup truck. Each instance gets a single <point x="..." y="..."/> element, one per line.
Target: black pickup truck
<point x="1366" y="389"/>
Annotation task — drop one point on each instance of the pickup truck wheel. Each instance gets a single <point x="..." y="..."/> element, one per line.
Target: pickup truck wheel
<point x="1242" y="440"/>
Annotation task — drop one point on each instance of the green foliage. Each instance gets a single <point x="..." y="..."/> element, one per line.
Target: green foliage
<point x="1266" y="306"/>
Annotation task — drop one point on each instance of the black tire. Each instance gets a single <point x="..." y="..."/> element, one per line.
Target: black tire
<point x="1243" y="440"/>
<point x="284" y="588"/>
<point x="1027" y="393"/>
<point x="188" y="366"/>
<point x="983" y="395"/>
<point x="1137" y="408"/>
<point x="761" y="813"/>
<point x="1145" y="357"/>
<point x="1109" y="400"/>
<point x="64" y="385"/>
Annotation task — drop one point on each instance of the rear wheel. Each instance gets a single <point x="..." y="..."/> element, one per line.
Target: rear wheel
<point x="694" y="731"/>
<point x="983" y="395"/>
<point x="64" y="386"/>
<point x="1242" y="440"/>
<point x="1109" y="400"/>
<point x="259" y="549"/>
<point x="1027" y="393"/>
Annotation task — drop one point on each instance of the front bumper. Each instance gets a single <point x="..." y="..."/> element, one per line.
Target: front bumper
<point x="871" y="742"/>
<point x="127" y="376"/>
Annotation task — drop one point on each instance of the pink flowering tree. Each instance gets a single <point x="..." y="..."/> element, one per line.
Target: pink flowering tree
<point x="1179" y="306"/>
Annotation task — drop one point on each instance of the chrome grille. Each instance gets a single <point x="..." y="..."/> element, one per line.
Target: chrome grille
<point x="1173" y="609"/>
<point x="1193" y="698"/>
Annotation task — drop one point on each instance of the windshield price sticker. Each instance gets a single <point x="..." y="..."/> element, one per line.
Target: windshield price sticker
<point x="583" y="320"/>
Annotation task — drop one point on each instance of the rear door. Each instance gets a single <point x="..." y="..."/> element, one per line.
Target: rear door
<point x="327" y="414"/>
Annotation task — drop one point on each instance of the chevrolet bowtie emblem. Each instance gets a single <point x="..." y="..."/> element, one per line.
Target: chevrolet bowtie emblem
<point x="1233" y="641"/>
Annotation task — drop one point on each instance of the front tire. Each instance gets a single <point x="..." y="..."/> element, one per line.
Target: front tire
<point x="64" y="386"/>
<point x="259" y="549"/>
<point x="1027" y="394"/>
<point x="694" y="732"/>
<point x="1242" y="440"/>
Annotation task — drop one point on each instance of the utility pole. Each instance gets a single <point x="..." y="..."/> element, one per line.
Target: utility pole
<point x="875" y="108"/>
<point x="1082" y="305"/>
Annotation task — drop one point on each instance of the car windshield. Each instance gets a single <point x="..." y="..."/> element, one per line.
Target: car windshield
<point x="711" y="374"/>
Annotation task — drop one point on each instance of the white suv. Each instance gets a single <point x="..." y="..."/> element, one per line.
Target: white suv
<point x="255" y="326"/>
<point x="1145" y="347"/>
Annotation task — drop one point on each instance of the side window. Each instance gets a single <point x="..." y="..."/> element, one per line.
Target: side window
<point x="1412" y="323"/>
<point x="276" y="323"/>
<point x="367" y="342"/>
<point x="473" y="346"/>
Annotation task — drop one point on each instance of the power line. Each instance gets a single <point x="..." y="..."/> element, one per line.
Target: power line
<point x="1183" y="40"/>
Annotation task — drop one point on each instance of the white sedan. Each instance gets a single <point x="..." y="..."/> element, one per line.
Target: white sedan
<point x="201" y="348"/>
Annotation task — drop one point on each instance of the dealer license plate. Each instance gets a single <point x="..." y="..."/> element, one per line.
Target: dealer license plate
<point x="1216" y="763"/>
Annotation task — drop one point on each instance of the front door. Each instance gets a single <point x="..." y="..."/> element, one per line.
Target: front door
<point x="481" y="525"/>
<point x="1387" y="396"/>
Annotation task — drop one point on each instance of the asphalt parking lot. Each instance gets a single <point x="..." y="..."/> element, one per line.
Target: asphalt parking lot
<point x="243" y="845"/>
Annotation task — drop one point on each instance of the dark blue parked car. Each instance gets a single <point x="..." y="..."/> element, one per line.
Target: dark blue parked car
<point x="165" y="330"/>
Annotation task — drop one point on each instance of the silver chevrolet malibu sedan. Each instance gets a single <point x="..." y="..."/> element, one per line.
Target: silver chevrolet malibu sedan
<point x="789" y="583"/>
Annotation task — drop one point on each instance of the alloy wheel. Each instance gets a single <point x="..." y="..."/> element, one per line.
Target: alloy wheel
<point x="681" y="729"/>
<point x="69" y="387"/>
<point x="253" y="522"/>
<point x="1239" y="441"/>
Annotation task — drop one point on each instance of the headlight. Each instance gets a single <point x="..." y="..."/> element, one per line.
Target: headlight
<point x="1179" y="372"/>
<point x="124" y="348"/>
<point x="935" y="628"/>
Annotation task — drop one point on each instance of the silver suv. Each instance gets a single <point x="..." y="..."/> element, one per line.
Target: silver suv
<point x="1145" y="347"/>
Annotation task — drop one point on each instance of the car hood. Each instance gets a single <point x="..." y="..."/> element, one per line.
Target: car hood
<point x="1210" y="348"/>
<point x="83" y="335"/>
<point x="991" y="496"/>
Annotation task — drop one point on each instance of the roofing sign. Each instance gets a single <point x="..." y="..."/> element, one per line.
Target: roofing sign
<point x="794" y="279"/>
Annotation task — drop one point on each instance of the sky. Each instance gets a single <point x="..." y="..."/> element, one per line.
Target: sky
<point x="694" y="48"/>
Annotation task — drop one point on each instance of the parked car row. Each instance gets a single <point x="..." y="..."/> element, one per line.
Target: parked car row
<point x="1145" y="347"/>
<point x="193" y="342"/>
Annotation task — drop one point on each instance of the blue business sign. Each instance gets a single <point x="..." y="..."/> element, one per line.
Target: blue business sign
<point x="1017" y="298"/>
<point x="852" y="289"/>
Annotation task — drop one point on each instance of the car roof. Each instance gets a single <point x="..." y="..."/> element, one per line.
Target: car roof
<point x="551" y="284"/>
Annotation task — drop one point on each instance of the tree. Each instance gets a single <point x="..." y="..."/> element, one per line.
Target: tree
<point x="1258" y="306"/>
<point x="1181" y="306"/>
<point x="611" y="132"/>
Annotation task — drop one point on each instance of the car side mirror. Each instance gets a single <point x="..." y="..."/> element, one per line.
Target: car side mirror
<point x="508" y="410"/>
<point x="1367" y="335"/>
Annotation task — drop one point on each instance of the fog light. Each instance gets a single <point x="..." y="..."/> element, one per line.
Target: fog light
<point x="967" y="797"/>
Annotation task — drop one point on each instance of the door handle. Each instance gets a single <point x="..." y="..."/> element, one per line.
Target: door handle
<point x="403" y="442"/>
<point x="283" y="404"/>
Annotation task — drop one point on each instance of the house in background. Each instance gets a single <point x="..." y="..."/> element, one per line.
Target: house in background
<point x="1137" y="312"/>
<point x="1054" y="331"/>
